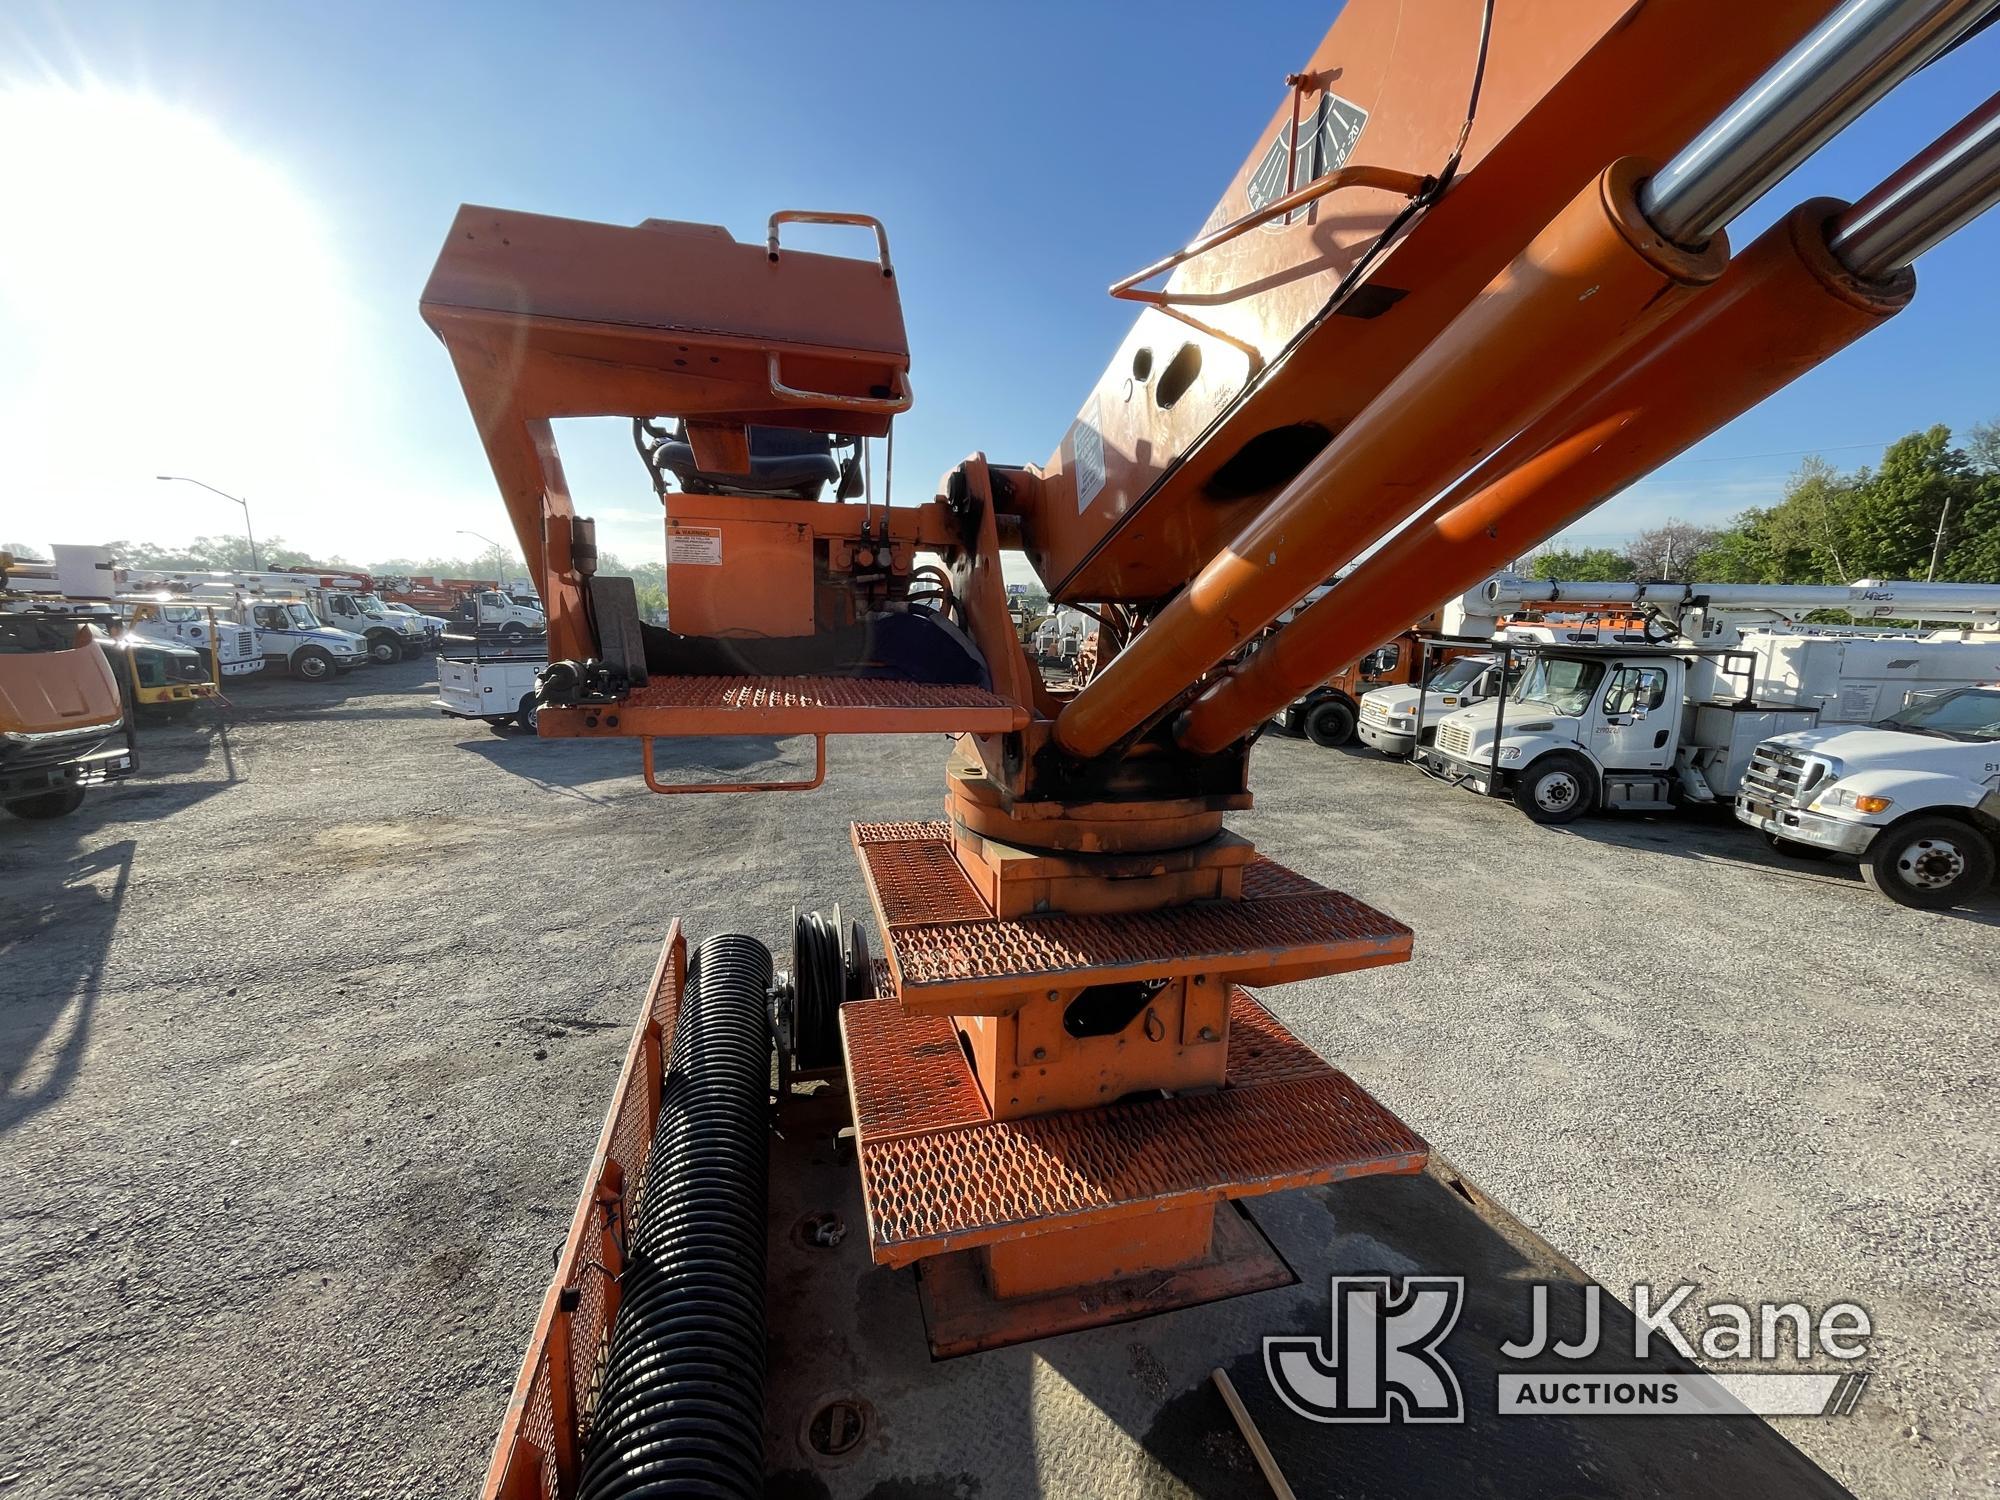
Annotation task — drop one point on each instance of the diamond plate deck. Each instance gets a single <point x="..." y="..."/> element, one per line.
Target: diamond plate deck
<point x="937" y="1175"/>
<point x="951" y="955"/>
<point x="695" y="706"/>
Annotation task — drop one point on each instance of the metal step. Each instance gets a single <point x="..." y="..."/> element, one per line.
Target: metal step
<point x="938" y="1175"/>
<point x="951" y="955"/>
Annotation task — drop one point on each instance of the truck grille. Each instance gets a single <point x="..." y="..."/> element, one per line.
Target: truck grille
<point x="1373" y="711"/>
<point x="1454" y="739"/>
<point x="247" y="644"/>
<point x="1781" y="777"/>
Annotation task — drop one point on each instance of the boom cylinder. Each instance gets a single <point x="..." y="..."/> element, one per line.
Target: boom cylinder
<point x="1785" y="305"/>
<point x="1593" y="283"/>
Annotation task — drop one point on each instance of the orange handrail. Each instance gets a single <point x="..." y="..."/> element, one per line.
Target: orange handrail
<point x="1409" y="184"/>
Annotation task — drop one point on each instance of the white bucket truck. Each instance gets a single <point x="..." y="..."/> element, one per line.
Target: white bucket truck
<point x="1915" y="797"/>
<point x="1644" y="728"/>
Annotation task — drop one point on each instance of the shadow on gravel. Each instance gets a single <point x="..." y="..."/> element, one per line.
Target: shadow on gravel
<point x="564" y="767"/>
<point x="1710" y="840"/>
<point x="54" y="942"/>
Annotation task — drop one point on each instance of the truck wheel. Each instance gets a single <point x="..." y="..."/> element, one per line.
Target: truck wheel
<point x="1556" y="789"/>
<point x="1929" y="863"/>
<point x="529" y="715"/>
<point x="1330" y="723"/>
<point x="514" y="633"/>
<point x="1792" y="848"/>
<point x="384" y="648"/>
<point x="59" y="803"/>
<point x="312" y="664"/>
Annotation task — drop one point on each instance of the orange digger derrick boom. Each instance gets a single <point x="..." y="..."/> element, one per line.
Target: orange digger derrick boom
<point x="1471" y="279"/>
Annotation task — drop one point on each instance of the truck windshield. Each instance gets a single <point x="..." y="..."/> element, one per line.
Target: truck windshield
<point x="1458" y="674"/>
<point x="370" y="605"/>
<point x="1967" y="714"/>
<point x="1565" y="684"/>
<point x="301" y="617"/>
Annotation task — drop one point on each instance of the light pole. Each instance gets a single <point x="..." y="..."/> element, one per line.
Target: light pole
<point x="500" y="555"/>
<point x="255" y="566"/>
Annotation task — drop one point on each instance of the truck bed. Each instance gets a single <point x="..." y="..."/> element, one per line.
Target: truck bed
<point x="1131" y="1410"/>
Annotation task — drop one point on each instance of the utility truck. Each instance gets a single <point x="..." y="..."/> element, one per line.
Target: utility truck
<point x="64" y="725"/>
<point x="344" y="601"/>
<point x="1915" y="798"/>
<point x="479" y="683"/>
<point x="1395" y="720"/>
<point x="497" y="615"/>
<point x="1646" y="727"/>
<point x="291" y="637"/>
<point x="86" y="583"/>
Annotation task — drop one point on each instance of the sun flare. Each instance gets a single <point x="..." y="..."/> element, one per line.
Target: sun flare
<point x="168" y="299"/>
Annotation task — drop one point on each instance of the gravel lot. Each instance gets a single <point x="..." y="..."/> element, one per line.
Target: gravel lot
<point x="307" y="1034"/>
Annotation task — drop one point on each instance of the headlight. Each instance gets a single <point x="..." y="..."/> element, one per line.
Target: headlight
<point x="1510" y="752"/>
<point x="1838" y="797"/>
<point x="1402" y="723"/>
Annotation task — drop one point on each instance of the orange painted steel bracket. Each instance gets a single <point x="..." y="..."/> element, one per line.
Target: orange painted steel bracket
<point x="1388" y="179"/>
<point x="537" y="1455"/>
<point x="669" y="789"/>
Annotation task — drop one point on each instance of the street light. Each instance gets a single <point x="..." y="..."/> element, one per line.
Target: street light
<point x="255" y="566"/>
<point x="500" y="555"/>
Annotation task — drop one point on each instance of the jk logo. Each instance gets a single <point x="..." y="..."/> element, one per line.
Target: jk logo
<point x="1380" y="1361"/>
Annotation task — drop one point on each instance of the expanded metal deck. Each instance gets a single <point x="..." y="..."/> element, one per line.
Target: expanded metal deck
<point x="951" y="955"/>
<point x="695" y="706"/>
<point x="938" y="1175"/>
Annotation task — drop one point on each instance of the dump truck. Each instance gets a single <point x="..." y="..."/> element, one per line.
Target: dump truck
<point x="1456" y="294"/>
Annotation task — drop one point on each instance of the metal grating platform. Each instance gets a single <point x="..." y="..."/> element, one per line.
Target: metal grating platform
<point x="668" y="706"/>
<point x="951" y="955"/>
<point x="937" y="1175"/>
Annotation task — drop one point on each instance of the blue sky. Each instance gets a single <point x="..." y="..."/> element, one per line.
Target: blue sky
<point x="226" y="212"/>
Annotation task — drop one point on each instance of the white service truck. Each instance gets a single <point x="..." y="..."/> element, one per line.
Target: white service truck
<point x="1914" y="797"/>
<point x="1645" y="728"/>
<point x="498" y="689"/>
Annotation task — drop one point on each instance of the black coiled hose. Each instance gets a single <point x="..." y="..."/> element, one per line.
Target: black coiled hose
<point x="682" y="1406"/>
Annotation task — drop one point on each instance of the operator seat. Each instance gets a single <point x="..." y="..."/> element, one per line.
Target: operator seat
<point x="783" y="461"/>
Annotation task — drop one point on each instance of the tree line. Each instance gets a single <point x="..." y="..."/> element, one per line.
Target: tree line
<point x="1929" y="509"/>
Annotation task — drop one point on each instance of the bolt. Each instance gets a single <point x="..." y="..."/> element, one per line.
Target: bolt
<point x="1208" y="1033"/>
<point x="1041" y="1053"/>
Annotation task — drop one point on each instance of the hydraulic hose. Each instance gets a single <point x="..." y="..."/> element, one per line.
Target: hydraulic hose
<point x="681" y="1410"/>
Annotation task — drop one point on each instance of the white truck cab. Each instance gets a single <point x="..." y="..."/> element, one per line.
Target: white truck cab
<point x="491" y="612"/>
<point x="1389" y="716"/>
<point x="1915" y="798"/>
<point x="391" y="635"/>
<point x="1612" y="728"/>
<point x="205" y="628"/>
<point x="291" y="637"/>
<point x="1647" y="727"/>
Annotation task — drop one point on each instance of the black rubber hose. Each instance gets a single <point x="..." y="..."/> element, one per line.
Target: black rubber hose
<point x="681" y="1411"/>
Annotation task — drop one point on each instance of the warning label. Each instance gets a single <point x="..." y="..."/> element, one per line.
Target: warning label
<point x="699" y="545"/>
<point x="1087" y="456"/>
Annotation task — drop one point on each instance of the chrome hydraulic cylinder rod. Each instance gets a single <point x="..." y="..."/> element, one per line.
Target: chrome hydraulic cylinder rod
<point x="1850" y="60"/>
